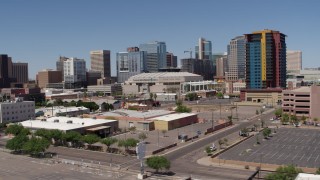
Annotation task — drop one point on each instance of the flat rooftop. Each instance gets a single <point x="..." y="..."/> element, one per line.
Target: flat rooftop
<point x="142" y="114"/>
<point x="171" y="117"/>
<point x="62" y="124"/>
<point x="302" y="89"/>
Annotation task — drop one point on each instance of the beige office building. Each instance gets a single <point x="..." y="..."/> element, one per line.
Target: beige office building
<point x="100" y="61"/>
<point x="294" y="60"/>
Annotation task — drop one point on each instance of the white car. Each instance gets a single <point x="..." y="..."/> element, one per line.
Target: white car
<point x="213" y="147"/>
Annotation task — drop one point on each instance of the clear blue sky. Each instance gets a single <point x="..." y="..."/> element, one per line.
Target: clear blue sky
<point x="38" y="31"/>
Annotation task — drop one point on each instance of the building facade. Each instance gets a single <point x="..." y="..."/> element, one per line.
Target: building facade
<point x="131" y="63"/>
<point x="236" y="59"/>
<point x="171" y="60"/>
<point x="74" y="73"/>
<point x="20" y="72"/>
<point x="204" y="49"/>
<point x="156" y="55"/>
<point x="100" y="61"/>
<point x="92" y="77"/>
<point x="5" y="71"/>
<point x="221" y="67"/>
<point x="294" y="60"/>
<point x="197" y="66"/>
<point x="265" y="59"/>
<point x="304" y="101"/>
<point x="48" y="76"/>
<point x="16" y="111"/>
<point x="60" y="64"/>
<point x="158" y="82"/>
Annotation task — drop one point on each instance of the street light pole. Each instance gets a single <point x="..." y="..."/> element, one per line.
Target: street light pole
<point x="220" y="109"/>
<point x="158" y="137"/>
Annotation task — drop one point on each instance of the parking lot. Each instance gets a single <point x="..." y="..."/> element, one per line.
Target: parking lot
<point x="296" y="146"/>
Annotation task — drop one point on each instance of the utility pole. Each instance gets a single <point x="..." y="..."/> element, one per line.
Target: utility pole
<point x="220" y="109"/>
<point x="212" y="123"/>
<point x="158" y="137"/>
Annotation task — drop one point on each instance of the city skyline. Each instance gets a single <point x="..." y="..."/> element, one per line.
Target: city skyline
<point x="42" y="31"/>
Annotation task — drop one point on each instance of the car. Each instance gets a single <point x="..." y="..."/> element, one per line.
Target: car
<point x="271" y="119"/>
<point x="213" y="147"/>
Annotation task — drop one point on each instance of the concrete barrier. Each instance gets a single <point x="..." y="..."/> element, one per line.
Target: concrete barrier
<point x="164" y="148"/>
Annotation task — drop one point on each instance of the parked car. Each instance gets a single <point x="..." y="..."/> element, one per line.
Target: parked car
<point x="213" y="147"/>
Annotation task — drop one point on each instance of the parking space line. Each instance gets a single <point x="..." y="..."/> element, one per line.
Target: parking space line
<point x="280" y="155"/>
<point x="316" y="158"/>
<point x="287" y="156"/>
<point x="309" y="157"/>
<point x="302" y="157"/>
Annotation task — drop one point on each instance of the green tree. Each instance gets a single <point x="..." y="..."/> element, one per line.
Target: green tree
<point x="266" y="132"/>
<point x="208" y="150"/>
<point x="132" y="129"/>
<point x="183" y="109"/>
<point x="278" y="112"/>
<point x="158" y="162"/>
<point x="131" y="142"/>
<point x="17" y="142"/>
<point x="155" y="97"/>
<point x="90" y="139"/>
<point x="318" y="171"/>
<point x="289" y="172"/>
<point x="14" y="129"/>
<point x="192" y="96"/>
<point x="257" y="112"/>
<point x="108" y="142"/>
<point x="142" y="136"/>
<point x="219" y="95"/>
<point x="285" y="118"/>
<point x="73" y="137"/>
<point x="44" y="133"/>
<point x="36" y="145"/>
<point x="56" y="135"/>
<point x="151" y="95"/>
<point x="128" y="143"/>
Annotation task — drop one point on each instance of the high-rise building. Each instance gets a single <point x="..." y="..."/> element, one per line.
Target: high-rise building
<point x="204" y="49"/>
<point x="196" y="66"/>
<point x="294" y="60"/>
<point x="265" y="59"/>
<point x="156" y="55"/>
<point x="236" y="59"/>
<point x="59" y="64"/>
<point x="92" y="77"/>
<point x="20" y="72"/>
<point x="221" y="67"/>
<point x="47" y="77"/>
<point x="74" y="73"/>
<point x="171" y="60"/>
<point x="130" y="63"/>
<point x="5" y="71"/>
<point x="100" y="61"/>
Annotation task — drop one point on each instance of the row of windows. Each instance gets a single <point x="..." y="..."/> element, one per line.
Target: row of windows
<point x="13" y="118"/>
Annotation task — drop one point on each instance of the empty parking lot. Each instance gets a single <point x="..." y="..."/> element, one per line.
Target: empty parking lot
<point x="296" y="146"/>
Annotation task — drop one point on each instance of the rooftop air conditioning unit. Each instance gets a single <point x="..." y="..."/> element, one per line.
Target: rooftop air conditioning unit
<point x="56" y="120"/>
<point x="69" y="122"/>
